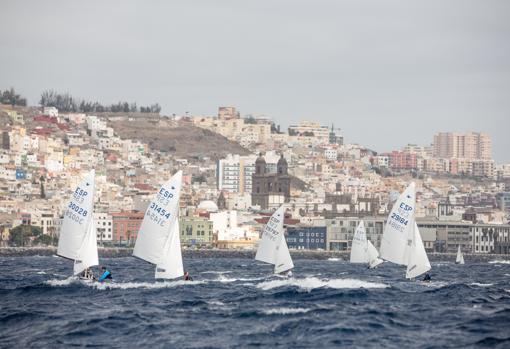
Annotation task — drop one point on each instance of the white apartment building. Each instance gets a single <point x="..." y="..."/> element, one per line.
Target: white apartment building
<point x="104" y="226"/>
<point x="50" y="111"/>
<point x="95" y="124"/>
<point x="310" y="129"/>
<point x="234" y="173"/>
<point x="331" y="154"/>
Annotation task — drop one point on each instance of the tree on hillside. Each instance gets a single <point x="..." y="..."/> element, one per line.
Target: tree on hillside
<point x="43" y="193"/>
<point x="11" y="97"/>
<point x="22" y="234"/>
<point x="67" y="103"/>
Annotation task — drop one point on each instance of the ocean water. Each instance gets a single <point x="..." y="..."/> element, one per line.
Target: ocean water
<point x="237" y="303"/>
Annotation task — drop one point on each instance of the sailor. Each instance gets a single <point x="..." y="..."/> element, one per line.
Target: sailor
<point x="427" y="277"/>
<point x="285" y="274"/>
<point x="107" y="275"/>
<point x="87" y="274"/>
<point x="187" y="277"/>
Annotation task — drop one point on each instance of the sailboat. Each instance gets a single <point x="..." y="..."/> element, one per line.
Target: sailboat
<point x="77" y="240"/>
<point x="362" y="250"/>
<point x="158" y="241"/>
<point x="460" y="257"/>
<point x="401" y="242"/>
<point x="273" y="247"/>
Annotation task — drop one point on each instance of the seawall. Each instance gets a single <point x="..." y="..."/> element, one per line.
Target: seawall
<point x="113" y="252"/>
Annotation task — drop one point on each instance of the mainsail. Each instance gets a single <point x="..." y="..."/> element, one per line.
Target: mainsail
<point x="158" y="240"/>
<point x="273" y="247"/>
<point x="87" y="254"/>
<point x="77" y="219"/>
<point x="398" y="228"/>
<point x="418" y="261"/>
<point x="460" y="257"/>
<point x="359" y="245"/>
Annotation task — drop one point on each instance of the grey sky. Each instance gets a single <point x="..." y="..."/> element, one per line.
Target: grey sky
<point x="387" y="72"/>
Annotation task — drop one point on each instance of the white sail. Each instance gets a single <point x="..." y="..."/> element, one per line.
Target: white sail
<point x="359" y="245"/>
<point x="460" y="257"/>
<point x="398" y="228"/>
<point x="418" y="261"/>
<point x="156" y="225"/>
<point x="171" y="266"/>
<point x="373" y="255"/>
<point x="271" y="238"/>
<point x="87" y="255"/>
<point x="283" y="258"/>
<point x="273" y="247"/>
<point x="77" y="217"/>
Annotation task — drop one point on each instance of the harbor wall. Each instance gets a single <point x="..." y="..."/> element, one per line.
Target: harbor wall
<point x="248" y="254"/>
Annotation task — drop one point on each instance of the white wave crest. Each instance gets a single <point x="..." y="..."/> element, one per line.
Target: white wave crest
<point x="332" y="259"/>
<point x="146" y="285"/>
<point x="480" y="284"/>
<point x="311" y="283"/>
<point x="224" y="279"/>
<point x="216" y="272"/>
<point x="499" y="262"/>
<point x="41" y="272"/>
<point x="285" y="311"/>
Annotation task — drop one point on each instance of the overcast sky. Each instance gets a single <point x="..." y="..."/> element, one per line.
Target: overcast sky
<point x="387" y="73"/>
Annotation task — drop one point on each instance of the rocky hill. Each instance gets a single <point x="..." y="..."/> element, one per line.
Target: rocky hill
<point x="183" y="140"/>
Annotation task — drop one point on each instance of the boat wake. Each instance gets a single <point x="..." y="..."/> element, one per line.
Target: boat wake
<point x="311" y="283"/>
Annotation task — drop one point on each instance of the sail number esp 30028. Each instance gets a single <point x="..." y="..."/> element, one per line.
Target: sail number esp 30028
<point x="74" y="211"/>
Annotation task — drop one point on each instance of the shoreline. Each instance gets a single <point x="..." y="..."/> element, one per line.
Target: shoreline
<point x="118" y="252"/>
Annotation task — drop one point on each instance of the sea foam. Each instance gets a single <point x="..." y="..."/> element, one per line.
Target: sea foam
<point x="311" y="283"/>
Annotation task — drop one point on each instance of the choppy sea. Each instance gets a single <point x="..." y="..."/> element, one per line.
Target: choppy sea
<point x="238" y="303"/>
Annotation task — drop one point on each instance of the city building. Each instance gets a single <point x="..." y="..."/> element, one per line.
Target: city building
<point x="270" y="190"/>
<point x="196" y="231"/>
<point x="104" y="227"/>
<point x="126" y="225"/>
<point x="471" y="145"/>
<point x="306" y="238"/>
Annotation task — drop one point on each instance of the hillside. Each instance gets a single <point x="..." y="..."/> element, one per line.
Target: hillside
<point x="184" y="141"/>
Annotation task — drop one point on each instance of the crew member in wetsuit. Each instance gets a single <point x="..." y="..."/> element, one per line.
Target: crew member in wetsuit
<point x="187" y="277"/>
<point x="427" y="277"/>
<point x="87" y="274"/>
<point x="107" y="275"/>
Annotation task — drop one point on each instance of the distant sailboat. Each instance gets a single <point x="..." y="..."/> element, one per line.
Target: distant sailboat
<point x="77" y="240"/>
<point x="273" y="247"/>
<point x="158" y="240"/>
<point x="362" y="250"/>
<point x="401" y="242"/>
<point x="460" y="257"/>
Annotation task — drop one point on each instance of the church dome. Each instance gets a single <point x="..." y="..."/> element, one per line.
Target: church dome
<point x="260" y="160"/>
<point x="208" y="205"/>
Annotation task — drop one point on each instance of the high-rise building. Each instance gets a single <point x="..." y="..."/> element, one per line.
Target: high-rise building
<point x="471" y="145"/>
<point x="234" y="173"/>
